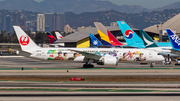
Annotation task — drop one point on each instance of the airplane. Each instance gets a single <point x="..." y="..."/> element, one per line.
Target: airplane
<point x="101" y="56"/>
<point x="58" y="35"/>
<point x="106" y="36"/>
<point x="94" y="40"/>
<point x="51" y="38"/>
<point x="174" y="39"/>
<point x="175" y="42"/>
<point x="147" y="41"/>
<point x="150" y="44"/>
<point x="97" y="44"/>
<point x="132" y="39"/>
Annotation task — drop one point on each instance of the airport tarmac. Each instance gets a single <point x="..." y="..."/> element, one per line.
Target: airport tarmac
<point x="59" y="90"/>
<point x="17" y="62"/>
<point x="94" y="98"/>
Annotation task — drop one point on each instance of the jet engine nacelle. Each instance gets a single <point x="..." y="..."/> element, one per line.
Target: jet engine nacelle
<point x="109" y="61"/>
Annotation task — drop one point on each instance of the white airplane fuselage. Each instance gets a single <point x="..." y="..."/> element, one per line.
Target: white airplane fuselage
<point x="126" y="55"/>
<point x="101" y="56"/>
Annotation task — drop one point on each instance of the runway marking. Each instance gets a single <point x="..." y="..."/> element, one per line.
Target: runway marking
<point x="72" y="89"/>
<point x="3" y="68"/>
<point x="115" y="90"/>
<point x="87" y="90"/>
<point x="161" y="91"/>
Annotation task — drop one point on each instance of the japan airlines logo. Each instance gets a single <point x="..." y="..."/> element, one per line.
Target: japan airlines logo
<point x="129" y="34"/>
<point x="24" y="40"/>
<point x="176" y="39"/>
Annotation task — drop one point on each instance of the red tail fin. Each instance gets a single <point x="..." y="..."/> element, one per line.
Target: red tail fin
<point x="113" y="40"/>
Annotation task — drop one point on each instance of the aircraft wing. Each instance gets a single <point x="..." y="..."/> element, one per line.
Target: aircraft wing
<point x="88" y="55"/>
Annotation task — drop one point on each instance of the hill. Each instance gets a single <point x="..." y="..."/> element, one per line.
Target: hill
<point x="138" y="20"/>
<point x="76" y="6"/>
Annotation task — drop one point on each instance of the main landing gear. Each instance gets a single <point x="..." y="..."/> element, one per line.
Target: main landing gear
<point x="88" y="64"/>
<point x="152" y="65"/>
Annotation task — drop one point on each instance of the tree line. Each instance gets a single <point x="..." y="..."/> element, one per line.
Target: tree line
<point x="38" y="37"/>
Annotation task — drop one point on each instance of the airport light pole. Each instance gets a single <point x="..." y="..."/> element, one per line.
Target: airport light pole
<point x="160" y="33"/>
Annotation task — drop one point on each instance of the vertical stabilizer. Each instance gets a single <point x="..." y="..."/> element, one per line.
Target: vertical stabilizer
<point x="132" y="39"/>
<point x="113" y="40"/>
<point x="148" y="41"/>
<point x="106" y="35"/>
<point x="58" y="35"/>
<point x="94" y="40"/>
<point x="51" y="38"/>
<point x="174" y="39"/>
<point x="26" y="43"/>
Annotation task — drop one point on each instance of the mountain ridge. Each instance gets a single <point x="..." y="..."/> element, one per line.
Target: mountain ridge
<point x="76" y="6"/>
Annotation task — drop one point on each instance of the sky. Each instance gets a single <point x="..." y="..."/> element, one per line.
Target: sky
<point x="145" y="3"/>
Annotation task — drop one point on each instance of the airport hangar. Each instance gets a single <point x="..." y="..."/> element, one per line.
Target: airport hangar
<point x="81" y="38"/>
<point x="173" y="24"/>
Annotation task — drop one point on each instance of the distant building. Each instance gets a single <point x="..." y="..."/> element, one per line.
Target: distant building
<point x="113" y="24"/>
<point x="16" y="19"/>
<point x="83" y="28"/>
<point x="59" y="22"/>
<point x="68" y="29"/>
<point x="50" y="22"/>
<point x="40" y="22"/>
<point x="32" y="25"/>
<point x="7" y="23"/>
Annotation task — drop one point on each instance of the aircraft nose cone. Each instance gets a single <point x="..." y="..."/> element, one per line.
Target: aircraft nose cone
<point x="160" y="58"/>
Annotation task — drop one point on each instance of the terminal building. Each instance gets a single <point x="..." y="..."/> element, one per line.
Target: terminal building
<point x="81" y="38"/>
<point x="173" y="24"/>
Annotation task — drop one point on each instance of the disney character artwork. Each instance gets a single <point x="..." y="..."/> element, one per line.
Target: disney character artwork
<point x="132" y="56"/>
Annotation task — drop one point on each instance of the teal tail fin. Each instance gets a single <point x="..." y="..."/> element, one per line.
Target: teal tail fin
<point x="148" y="41"/>
<point x="132" y="39"/>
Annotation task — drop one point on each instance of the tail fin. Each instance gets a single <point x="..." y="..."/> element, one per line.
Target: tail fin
<point x="26" y="43"/>
<point x="58" y="35"/>
<point x="94" y="40"/>
<point x="148" y="42"/>
<point x="174" y="39"/>
<point x="51" y="38"/>
<point x="132" y="39"/>
<point x="106" y="36"/>
<point x="113" y="40"/>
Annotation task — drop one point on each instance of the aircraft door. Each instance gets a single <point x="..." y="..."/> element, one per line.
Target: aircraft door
<point x="150" y="55"/>
<point x="43" y="53"/>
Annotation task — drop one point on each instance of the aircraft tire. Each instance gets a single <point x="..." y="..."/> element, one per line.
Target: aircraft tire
<point x="88" y="66"/>
<point x="151" y="65"/>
